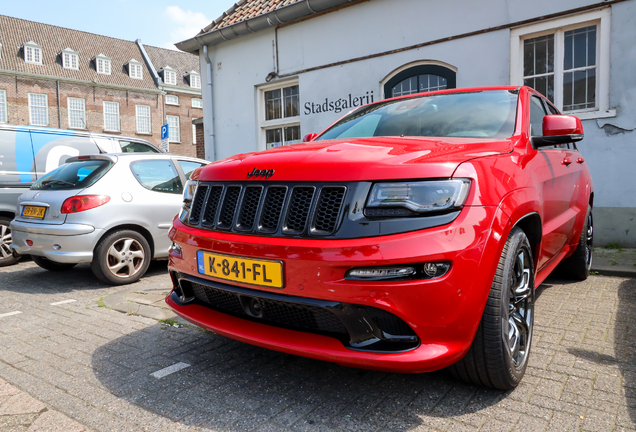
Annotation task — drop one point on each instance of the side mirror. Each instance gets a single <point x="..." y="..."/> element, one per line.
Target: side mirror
<point x="310" y="137"/>
<point x="559" y="129"/>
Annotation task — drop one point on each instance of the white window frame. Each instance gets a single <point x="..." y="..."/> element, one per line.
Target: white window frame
<point x="70" y="57"/>
<point x="264" y="125"/>
<point x="174" y="98"/>
<point x="106" y="65"/>
<point x="174" y="137"/>
<point x="135" y="70"/>
<point x="194" y="131"/>
<point x="602" y="19"/>
<point x="33" y="50"/>
<point x="4" y="113"/>
<point x="82" y="111"/>
<point x="107" y="114"/>
<point x="195" y="81"/>
<point x="199" y="103"/>
<point x="46" y="109"/>
<point x="138" y="116"/>
<point x="170" y="73"/>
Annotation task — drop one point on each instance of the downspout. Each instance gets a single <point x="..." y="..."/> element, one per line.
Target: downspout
<point x="59" y="111"/>
<point x="210" y="137"/>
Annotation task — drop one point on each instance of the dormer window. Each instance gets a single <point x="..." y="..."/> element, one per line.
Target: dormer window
<point x="102" y="64"/>
<point x="32" y="53"/>
<point x="135" y="69"/>
<point x="169" y="76"/>
<point x="70" y="59"/>
<point x="195" y="79"/>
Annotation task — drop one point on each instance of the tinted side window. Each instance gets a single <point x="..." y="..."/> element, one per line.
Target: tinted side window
<point x="136" y="147"/>
<point x="189" y="166"/>
<point x="157" y="175"/>
<point x="537" y="112"/>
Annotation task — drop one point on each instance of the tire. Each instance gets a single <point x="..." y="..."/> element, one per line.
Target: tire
<point x="120" y="258"/>
<point x="49" y="265"/>
<point x="578" y="265"/>
<point x="7" y="255"/>
<point x="498" y="356"/>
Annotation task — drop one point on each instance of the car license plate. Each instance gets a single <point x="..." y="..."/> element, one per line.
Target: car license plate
<point x="34" y="212"/>
<point x="239" y="269"/>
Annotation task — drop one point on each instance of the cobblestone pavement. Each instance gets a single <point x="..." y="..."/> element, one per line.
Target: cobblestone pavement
<point x="77" y="365"/>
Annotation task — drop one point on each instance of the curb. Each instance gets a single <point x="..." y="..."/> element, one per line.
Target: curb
<point x="120" y="303"/>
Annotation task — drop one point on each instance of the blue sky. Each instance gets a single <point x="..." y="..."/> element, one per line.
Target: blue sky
<point x="158" y="22"/>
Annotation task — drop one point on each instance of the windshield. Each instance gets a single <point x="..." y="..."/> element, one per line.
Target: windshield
<point x="73" y="175"/>
<point x="487" y="114"/>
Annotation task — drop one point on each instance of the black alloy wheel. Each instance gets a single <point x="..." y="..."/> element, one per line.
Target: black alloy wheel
<point x="498" y="356"/>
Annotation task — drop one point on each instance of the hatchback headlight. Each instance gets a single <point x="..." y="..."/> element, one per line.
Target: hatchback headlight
<point x="418" y="197"/>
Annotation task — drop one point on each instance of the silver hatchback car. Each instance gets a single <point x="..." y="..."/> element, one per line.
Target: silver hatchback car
<point x="113" y="211"/>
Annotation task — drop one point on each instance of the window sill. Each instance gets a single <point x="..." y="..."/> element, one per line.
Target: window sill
<point x="595" y="114"/>
<point x="112" y="132"/>
<point x="197" y="107"/>
<point x="174" y="142"/>
<point x="144" y="133"/>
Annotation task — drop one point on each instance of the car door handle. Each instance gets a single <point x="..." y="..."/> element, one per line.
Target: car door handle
<point x="566" y="161"/>
<point x="580" y="160"/>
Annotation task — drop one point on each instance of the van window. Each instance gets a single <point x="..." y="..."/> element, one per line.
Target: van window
<point x="136" y="147"/>
<point x="73" y="175"/>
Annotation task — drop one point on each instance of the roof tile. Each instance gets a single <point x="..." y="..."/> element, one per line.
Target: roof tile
<point x="15" y="32"/>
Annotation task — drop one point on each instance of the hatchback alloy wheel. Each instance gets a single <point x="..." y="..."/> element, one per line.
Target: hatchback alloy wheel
<point x="125" y="257"/>
<point x="121" y="257"/>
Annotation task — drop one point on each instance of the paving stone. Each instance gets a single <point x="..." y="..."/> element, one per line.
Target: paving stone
<point x="53" y="421"/>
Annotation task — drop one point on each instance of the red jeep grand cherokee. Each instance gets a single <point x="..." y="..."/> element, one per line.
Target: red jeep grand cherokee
<point x="409" y="236"/>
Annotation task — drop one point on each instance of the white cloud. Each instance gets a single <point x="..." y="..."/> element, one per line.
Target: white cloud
<point x="184" y="24"/>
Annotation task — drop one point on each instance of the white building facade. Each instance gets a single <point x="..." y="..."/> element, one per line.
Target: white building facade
<point x="269" y="78"/>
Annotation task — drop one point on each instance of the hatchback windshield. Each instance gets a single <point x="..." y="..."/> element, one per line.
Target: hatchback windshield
<point x="487" y="114"/>
<point x="73" y="175"/>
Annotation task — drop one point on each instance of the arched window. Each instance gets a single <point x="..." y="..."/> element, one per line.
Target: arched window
<point x="418" y="79"/>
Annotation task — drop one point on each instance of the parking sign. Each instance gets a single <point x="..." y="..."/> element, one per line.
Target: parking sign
<point x="164" y="137"/>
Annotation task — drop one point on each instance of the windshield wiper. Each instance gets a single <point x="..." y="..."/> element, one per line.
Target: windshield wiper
<point x="57" y="182"/>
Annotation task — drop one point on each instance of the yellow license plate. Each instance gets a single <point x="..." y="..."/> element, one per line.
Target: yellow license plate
<point x="238" y="269"/>
<point x="34" y="212"/>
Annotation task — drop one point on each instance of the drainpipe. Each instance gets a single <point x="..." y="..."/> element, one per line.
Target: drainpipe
<point x="59" y="111"/>
<point x="210" y="126"/>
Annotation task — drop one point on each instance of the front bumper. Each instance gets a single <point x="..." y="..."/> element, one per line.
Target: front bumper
<point x="443" y="313"/>
<point x="65" y="243"/>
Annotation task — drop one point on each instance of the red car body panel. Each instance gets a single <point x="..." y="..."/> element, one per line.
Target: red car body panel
<point x="511" y="182"/>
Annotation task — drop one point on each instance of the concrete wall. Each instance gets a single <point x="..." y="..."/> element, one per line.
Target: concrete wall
<point x="241" y="65"/>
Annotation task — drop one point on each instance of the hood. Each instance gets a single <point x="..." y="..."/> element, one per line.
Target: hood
<point x="357" y="160"/>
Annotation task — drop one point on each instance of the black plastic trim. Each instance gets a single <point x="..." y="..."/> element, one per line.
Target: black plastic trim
<point x="363" y="332"/>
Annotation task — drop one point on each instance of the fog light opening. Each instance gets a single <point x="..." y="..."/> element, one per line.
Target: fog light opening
<point x="436" y="270"/>
<point x="29" y="242"/>
<point x="57" y="247"/>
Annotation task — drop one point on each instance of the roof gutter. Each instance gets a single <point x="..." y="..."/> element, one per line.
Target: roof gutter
<point x="153" y="71"/>
<point x="295" y="11"/>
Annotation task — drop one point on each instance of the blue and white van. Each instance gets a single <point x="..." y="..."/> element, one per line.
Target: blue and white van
<point x="27" y="153"/>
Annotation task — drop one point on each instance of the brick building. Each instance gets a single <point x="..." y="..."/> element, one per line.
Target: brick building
<point x="62" y="78"/>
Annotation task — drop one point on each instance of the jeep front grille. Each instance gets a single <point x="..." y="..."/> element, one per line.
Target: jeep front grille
<point x="260" y="208"/>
